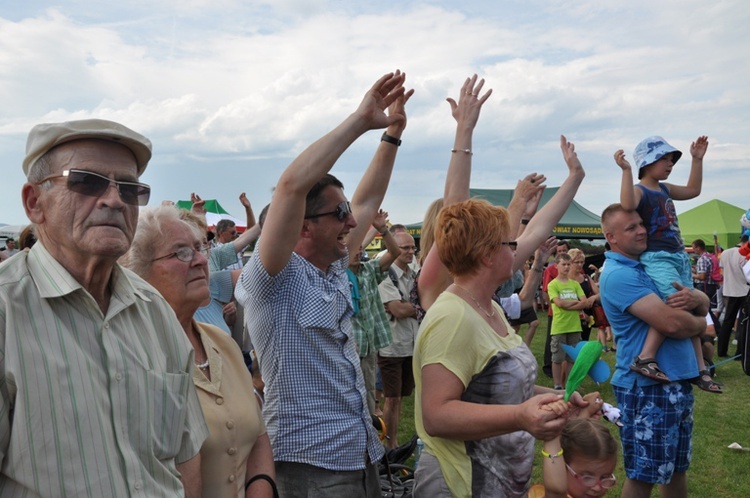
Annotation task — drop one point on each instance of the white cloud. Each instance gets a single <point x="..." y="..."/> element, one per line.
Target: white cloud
<point x="228" y="90"/>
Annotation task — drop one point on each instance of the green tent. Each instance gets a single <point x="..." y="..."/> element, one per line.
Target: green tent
<point x="713" y="217"/>
<point x="577" y="222"/>
<point x="214" y="213"/>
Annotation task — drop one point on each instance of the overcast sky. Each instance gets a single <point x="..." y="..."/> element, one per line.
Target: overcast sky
<point x="229" y="91"/>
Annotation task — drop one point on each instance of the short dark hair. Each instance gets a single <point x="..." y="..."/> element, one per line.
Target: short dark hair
<point x="745" y="238"/>
<point x="699" y="243"/>
<point x="314" y="199"/>
<point x="563" y="242"/>
<point x="223" y="226"/>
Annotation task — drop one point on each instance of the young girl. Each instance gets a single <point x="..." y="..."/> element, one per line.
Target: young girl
<point x="580" y="462"/>
<point x="665" y="259"/>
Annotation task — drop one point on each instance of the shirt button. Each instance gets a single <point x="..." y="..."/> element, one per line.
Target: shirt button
<point x="230" y="425"/>
<point x="106" y="325"/>
<point x="137" y="485"/>
<point x="232" y="451"/>
<point x="219" y="401"/>
<point x="231" y="478"/>
<point x="118" y="376"/>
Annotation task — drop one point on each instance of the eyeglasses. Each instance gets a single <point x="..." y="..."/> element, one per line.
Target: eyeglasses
<point x="342" y="211"/>
<point x="512" y="244"/>
<point x="408" y="248"/>
<point x="577" y="262"/>
<point x="185" y="254"/>
<point x="591" y="481"/>
<point x="95" y="185"/>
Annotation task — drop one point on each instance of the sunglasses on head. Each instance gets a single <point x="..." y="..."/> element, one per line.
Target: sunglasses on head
<point x="95" y="185"/>
<point x="342" y="211"/>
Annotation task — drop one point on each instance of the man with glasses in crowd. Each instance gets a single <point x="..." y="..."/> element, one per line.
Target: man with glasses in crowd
<point x="96" y="396"/>
<point x="395" y="360"/>
<point x="298" y="308"/>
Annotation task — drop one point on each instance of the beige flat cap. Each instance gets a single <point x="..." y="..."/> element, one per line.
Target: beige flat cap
<point x="44" y="137"/>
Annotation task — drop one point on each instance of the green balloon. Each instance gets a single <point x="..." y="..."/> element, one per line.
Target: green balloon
<point x="589" y="354"/>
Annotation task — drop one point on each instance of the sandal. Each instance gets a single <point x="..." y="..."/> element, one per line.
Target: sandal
<point x="706" y="383"/>
<point x="649" y="368"/>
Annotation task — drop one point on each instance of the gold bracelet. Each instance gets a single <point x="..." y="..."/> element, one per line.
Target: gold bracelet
<point x="553" y="456"/>
<point x="465" y="151"/>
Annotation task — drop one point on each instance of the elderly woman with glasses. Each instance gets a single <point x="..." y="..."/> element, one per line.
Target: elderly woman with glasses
<point x="477" y="407"/>
<point x="169" y="253"/>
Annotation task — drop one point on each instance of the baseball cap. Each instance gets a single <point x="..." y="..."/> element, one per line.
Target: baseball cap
<point x="650" y="150"/>
<point x="44" y="137"/>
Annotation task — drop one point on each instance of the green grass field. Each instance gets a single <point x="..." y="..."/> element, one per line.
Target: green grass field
<point x="720" y="419"/>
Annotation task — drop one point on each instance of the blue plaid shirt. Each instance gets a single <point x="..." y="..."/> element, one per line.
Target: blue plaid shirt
<point x="315" y="406"/>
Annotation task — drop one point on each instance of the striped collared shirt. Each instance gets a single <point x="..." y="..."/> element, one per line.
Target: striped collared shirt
<point x="91" y="405"/>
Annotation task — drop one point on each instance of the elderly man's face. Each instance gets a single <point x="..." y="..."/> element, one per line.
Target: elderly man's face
<point x="86" y="227"/>
<point x="228" y="235"/>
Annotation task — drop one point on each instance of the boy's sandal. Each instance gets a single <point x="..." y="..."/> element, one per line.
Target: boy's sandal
<point x="648" y="367"/>
<point x="707" y="385"/>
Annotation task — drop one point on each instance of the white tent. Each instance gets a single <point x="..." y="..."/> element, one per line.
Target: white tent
<point x="11" y="231"/>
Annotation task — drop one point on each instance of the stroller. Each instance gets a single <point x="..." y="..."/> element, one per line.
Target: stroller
<point x="396" y="478"/>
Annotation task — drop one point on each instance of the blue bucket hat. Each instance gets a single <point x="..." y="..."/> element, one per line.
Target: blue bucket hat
<point x="650" y="150"/>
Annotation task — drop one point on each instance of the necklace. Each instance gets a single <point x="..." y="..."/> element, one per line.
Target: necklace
<point x="203" y="365"/>
<point x="489" y="315"/>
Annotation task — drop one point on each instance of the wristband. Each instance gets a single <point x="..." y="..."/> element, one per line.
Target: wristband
<point x="537" y="269"/>
<point x="525" y="222"/>
<point x="385" y="231"/>
<point x="465" y="151"/>
<point x="552" y="456"/>
<point x="391" y="140"/>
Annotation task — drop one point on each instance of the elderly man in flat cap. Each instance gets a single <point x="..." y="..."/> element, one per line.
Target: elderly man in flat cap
<point x="96" y="396"/>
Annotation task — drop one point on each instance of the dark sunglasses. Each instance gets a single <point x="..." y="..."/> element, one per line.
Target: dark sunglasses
<point x="95" y="185"/>
<point x="512" y="244"/>
<point x="342" y="211"/>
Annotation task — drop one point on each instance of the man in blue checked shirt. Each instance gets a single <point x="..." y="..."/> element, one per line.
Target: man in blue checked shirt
<point x="298" y="308"/>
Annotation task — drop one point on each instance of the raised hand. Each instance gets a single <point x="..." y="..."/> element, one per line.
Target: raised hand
<point x="199" y="205"/>
<point x="569" y="153"/>
<point x="378" y="98"/>
<point x="466" y="111"/>
<point x="621" y="161"/>
<point x="398" y="108"/>
<point x="529" y="191"/>
<point x="545" y="250"/>
<point x="244" y="200"/>
<point x="699" y="147"/>
<point x="380" y="222"/>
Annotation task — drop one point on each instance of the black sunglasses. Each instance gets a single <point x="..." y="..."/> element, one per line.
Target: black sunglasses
<point x="95" y="185"/>
<point x="342" y="211"/>
<point x="512" y="244"/>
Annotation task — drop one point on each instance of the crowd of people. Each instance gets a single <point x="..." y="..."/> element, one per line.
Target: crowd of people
<point x="141" y="355"/>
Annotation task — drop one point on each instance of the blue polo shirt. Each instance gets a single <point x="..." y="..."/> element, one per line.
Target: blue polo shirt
<point x="623" y="282"/>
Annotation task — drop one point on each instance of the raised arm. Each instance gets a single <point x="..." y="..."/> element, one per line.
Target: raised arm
<point x="393" y="251"/>
<point x="434" y="277"/>
<point x="695" y="180"/>
<point x="246" y="238"/>
<point x="368" y="197"/>
<point x="541" y="225"/>
<point x="534" y="276"/>
<point x="523" y="206"/>
<point x="630" y="196"/>
<point x="287" y="210"/>
<point x="249" y="215"/>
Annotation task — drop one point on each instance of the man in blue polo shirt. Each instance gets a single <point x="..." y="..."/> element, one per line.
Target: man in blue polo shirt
<point x="657" y="418"/>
